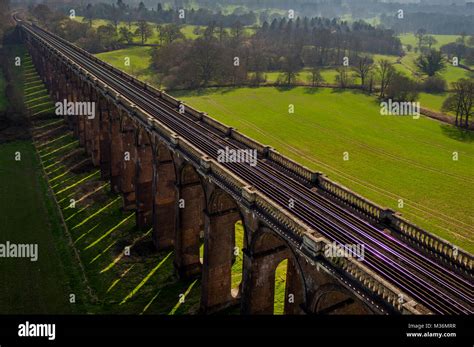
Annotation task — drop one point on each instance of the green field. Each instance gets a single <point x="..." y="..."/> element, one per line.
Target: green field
<point x="450" y="74"/>
<point x="139" y="59"/>
<point x="29" y="216"/>
<point x="432" y="101"/>
<point x="391" y="157"/>
<point x="410" y="39"/>
<point x="187" y="30"/>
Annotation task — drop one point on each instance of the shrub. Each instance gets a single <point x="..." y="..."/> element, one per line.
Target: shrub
<point x="434" y="84"/>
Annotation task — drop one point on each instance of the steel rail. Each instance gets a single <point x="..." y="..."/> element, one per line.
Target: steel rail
<point x="282" y="180"/>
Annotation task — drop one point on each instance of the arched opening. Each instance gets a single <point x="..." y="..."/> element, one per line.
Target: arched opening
<point x="221" y="251"/>
<point x="279" y="297"/>
<point x="190" y="207"/>
<point x="237" y="258"/>
<point x="273" y="280"/>
<point x="331" y="299"/>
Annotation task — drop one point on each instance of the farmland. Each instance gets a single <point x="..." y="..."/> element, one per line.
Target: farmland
<point x="412" y="155"/>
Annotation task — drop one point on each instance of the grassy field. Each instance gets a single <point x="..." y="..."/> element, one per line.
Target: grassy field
<point x="450" y="73"/>
<point x="30" y="216"/>
<point x="188" y="30"/>
<point x="410" y="39"/>
<point x="138" y="57"/>
<point x="432" y="101"/>
<point x="413" y="157"/>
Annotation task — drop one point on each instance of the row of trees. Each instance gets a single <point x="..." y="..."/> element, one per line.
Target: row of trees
<point x="94" y="40"/>
<point x="283" y="45"/>
<point x="436" y="23"/>
<point x="331" y="40"/>
<point x="120" y="11"/>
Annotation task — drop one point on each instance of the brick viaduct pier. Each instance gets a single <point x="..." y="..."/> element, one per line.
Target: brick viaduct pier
<point x="187" y="197"/>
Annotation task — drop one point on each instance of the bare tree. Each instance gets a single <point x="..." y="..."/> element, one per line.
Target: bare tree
<point x="386" y="71"/>
<point x="169" y="33"/>
<point x="315" y="77"/>
<point x="363" y="68"/>
<point x="430" y="40"/>
<point x="343" y="77"/>
<point x="291" y="64"/>
<point x="420" y="36"/>
<point x="461" y="102"/>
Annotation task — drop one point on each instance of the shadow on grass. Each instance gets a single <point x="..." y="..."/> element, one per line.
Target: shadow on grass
<point x="458" y="134"/>
<point x="285" y="88"/>
<point x="312" y="90"/>
<point x="202" y="91"/>
<point x="349" y="90"/>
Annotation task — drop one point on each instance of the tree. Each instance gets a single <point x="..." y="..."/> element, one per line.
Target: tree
<point x="315" y="77"/>
<point x="115" y="16"/>
<point x="169" y="33"/>
<point x="430" y="41"/>
<point x="42" y="12"/>
<point x="89" y="15"/>
<point x="430" y="63"/>
<point x="205" y="55"/>
<point x="362" y="69"/>
<point x="106" y="32"/>
<point x="258" y="59"/>
<point x="461" y="102"/>
<point x="291" y="64"/>
<point x="470" y="41"/>
<point x="434" y="84"/>
<point x="343" y="77"/>
<point x="401" y="88"/>
<point x="144" y="29"/>
<point x="237" y="31"/>
<point x="386" y="71"/>
<point x="420" y="35"/>
<point x="125" y="35"/>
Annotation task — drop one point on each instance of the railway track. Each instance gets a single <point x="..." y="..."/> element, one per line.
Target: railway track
<point x="438" y="288"/>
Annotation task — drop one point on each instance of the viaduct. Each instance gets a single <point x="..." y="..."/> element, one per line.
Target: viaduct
<point x="160" y="154"/>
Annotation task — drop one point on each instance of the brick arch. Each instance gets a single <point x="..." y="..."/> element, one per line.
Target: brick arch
<point x="332" y="298"/>
<point x="266" y="251"/>
<point x="188" y="174"/>
<point x="221" y="214"/>
<point x="220" y="201"/>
